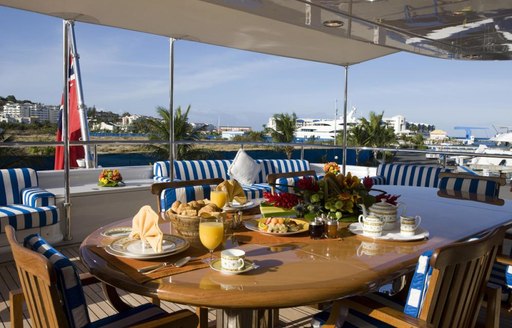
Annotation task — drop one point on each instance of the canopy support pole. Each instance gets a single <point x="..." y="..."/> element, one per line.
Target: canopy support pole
<point x="65" y="131"/>
<point x="344" y="168"/>
<point x="172" y="150"/>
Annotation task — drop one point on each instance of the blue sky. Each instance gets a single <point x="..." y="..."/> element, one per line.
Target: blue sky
<point x="128" y="71"/>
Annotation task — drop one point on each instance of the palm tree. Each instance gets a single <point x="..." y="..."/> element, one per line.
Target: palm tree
<point x="183" y="130"/>
<point x="284" y="131"/>
<point x="379" y="134"/>
<point x="372" y="132"/>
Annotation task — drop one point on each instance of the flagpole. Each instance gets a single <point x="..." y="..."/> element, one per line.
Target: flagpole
<point x="84" y="127"/>
<point x="172" y="151"/>
<point x="65" y="132"/>
<point x="344" y="168"/>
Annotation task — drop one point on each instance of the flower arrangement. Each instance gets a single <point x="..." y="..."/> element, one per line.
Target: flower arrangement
<point x="110" y="178"/>
<point x="336" y="195"/>
<point x="332" y="167"/>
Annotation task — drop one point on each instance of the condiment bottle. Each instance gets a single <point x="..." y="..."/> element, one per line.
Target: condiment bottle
<point x="332" y="228"/>
<point x="316" y="228"/>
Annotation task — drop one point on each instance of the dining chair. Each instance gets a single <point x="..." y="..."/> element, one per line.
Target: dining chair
<point x="184" y="191"/>
<point x="471" y="187"/>
<point x="285" y="182"/>
<point x="52" y="289"/>
<point x="447" y="290"/>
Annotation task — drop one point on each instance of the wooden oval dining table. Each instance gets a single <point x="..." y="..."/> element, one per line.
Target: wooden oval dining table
<point x="295" y="270"/>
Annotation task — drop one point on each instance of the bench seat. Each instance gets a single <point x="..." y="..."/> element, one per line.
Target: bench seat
<point x="187" y="170"/>
<point x="408" y="175"/>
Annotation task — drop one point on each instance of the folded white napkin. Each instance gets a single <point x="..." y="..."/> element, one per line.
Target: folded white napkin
<point x="145" y="227"/>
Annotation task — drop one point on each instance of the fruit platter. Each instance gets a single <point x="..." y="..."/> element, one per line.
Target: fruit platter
<point x="277" y="225"/>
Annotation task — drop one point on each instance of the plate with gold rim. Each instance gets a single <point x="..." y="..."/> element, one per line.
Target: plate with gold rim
<point x="135" y="248"/>
<point x="117" y="232"/>
<point x="254" y="226"/>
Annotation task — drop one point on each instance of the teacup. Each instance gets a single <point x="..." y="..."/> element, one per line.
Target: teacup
<point x="372" y="226"/>
<point x="232" y="259"/>
<point x="368" y="248"/>
<point x="409" y="224"/>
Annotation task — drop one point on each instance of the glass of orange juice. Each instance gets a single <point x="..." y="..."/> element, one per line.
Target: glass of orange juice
<point x="211" y="233"/>
<point x="219" y="198"/>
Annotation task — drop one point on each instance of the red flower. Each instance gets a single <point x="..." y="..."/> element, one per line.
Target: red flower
<point x="307" y="183"/>
<point x="368" y="183"/>
<point x="283" y="199"/>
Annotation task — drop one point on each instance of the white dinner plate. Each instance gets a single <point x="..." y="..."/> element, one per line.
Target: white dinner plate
<point x="248" y="265"/>
<point x="134" y="248"/>
<point x="394" y="234"/>
<point x="232" y="206"/>
<point x="253" y="225"/>
<point x="117" y="232"/>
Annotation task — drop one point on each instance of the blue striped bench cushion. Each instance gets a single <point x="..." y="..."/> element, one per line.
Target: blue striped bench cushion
<point x="13" y="181"/>
<point x="26" y="217"/>
<point x="205" y="169"/>
<point x="471" y="186"/>
<point x="68" y="281"/>
<point x="408" y="175"/>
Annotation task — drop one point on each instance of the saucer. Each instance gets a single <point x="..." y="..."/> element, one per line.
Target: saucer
<point x="216" y="265"/>
<point x="117" y="232"/>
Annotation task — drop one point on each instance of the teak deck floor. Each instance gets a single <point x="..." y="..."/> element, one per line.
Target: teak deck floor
<point x="296" y="317"/>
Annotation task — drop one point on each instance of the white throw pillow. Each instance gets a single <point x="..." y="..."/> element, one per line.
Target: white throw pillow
<point x="244" y="169"/>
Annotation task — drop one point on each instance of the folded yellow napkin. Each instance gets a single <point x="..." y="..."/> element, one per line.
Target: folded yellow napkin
<point x="145" y="227"/>
<point x="234" y="191"/>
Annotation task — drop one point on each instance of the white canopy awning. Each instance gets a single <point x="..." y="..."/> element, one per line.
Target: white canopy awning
<point x="213" y="24"/>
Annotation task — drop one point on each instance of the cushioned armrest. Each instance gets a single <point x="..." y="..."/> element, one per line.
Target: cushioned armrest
<point x="37" y="197"/>
<point x="378" y="180"/>
<point x="375" y="310"/>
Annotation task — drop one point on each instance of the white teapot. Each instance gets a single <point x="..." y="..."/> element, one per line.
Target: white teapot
<point x="384" y="210"/>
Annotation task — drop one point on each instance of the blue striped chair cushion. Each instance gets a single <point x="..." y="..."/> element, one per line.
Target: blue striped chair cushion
<point x="412" y="307"/>
<point x="162" y="179"/>
<point x="131" y="317"/>
<point x="255" y="190"/>
<point x="270" y="166"/>
<point x="12" y="181"/>
<point x="288" y="184"/>
<point x="68" y="281"/>
<point x="26" y="217"/>
<point x="37" y="197"/>
<point x="471" y="186"/>
<point x="410" y="175"/>
<point x="184" y="195"/>
<point x="419" y="285"/>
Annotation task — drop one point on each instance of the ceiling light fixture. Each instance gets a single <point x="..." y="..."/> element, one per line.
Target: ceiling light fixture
<point x="334" y="23"/>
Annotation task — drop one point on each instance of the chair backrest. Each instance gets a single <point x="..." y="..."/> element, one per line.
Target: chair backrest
<point x="410" y="174"/>
<point x="184" y="191"/>
<point x="13" y="181"/>
<point x="470" y="183"/>
<point x="50" y="283"/>
<point x="460" y="272"/>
